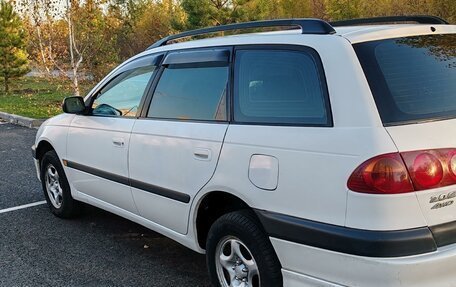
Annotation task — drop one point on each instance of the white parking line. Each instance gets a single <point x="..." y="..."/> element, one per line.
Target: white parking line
<point x="22" y="206"/>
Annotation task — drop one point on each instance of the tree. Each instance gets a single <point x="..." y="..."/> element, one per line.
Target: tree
<point x="13" y="58"/>
<point x="77" y="38"/>
<point x="202" y="13"/>
<point x="343" y="9"/>
<point x="144" y="22"/>
<point x="295" y="9"/>
<point x="92" y="38"/>
<point x="75" y="54"/>
<point x="81" y="38"/>
<point x="46" y="33"/>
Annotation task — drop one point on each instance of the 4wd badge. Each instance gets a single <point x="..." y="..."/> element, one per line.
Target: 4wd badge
<point x="442" y="197"/>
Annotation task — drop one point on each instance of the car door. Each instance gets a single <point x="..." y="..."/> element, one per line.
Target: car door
<point x="174" y="148"/>
<point x="97" y="147"/>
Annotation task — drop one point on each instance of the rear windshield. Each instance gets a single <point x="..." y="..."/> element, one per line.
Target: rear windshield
<point x="413" y="79"/>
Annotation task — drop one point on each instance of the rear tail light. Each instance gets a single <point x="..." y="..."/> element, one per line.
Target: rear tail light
<point x="430" y="168"/>
<point x="452" y="165"/>
<point x="384" y="174"/>
<point x="405" y="172"/>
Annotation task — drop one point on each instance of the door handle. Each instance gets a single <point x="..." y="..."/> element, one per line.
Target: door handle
<point x="202" y="154"/>
<point x="118" y="142"/>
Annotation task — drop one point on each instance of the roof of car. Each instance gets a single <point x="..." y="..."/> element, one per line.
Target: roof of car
<point x="354" y="34"/>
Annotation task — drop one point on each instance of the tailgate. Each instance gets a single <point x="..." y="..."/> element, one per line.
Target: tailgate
<point x="413" y="82"/>
<point x="438" y="205"/>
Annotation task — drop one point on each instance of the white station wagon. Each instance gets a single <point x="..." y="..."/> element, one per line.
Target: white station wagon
<point x="317" y="156"/>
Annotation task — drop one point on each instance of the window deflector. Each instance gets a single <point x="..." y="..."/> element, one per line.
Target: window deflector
<point x="200" y="56"/>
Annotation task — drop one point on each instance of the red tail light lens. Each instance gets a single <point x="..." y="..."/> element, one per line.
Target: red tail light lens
<point x="431" y="168"/>
<point x="452" y="165"/>
<point x="385" y="174"/>
<point x="405" y="172"/>
<point x="427" y="170"/>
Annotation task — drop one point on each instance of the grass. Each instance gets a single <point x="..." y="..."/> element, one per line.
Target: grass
<point x="37" y="98"/>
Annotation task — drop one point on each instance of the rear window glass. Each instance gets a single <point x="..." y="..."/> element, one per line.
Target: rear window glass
<point x="413" y="79"/>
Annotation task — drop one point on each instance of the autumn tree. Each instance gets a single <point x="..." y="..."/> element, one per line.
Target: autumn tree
<point x="294" y="9"/>
<point x="343" y="9"/>
<point x="13" y="58"/>
<point x="38" y="16"/>
<point x="75" y="38"/>
<point x="87" y="38"/>
<point x="94" y="38"/>
<point x="144" y="22"/>
<point x="202" y="13"/>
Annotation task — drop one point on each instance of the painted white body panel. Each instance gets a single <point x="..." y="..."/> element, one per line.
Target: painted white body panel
<point x="294" y="279"/>
<point x="379" y="212"/>
<point x="434" y="269"/>
<point x="54" y="131"/>
<point x="91" y="143"/>
<point x="306" y="157"/>
<point x="358" y="34"/>
<point x="176" y="155"/>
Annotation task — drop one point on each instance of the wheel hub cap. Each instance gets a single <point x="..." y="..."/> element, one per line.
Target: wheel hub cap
<point x="241" y="271"/>
<point x="53" y="188"/>
<point x="235" y="264"/>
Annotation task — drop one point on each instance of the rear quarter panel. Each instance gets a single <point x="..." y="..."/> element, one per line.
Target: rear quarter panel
<point x="314" y="163"/>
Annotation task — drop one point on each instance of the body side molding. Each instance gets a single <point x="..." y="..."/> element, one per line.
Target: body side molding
<point x="171" y="194"/>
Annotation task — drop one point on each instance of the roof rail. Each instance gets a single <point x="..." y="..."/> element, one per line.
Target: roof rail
<point x="421" y="19"/>
<point x="308" y="26"/>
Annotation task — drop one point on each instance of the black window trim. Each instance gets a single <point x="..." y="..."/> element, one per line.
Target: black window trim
<point x="155" y="58"/>
<point x="297" y="48"/>
<point x="148" y="99"/>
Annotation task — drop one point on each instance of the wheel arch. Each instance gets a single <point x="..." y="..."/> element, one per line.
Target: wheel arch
<point x="211" y="206"/>
<point x="43" y="147"/>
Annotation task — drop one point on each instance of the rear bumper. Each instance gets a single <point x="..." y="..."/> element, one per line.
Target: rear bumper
<point x="319" y="254"/>
<point x="357" y="241"/>
<point x="310" y="266"/>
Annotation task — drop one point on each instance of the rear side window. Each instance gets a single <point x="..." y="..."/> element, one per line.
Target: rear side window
<point x="413" y="79"/>
<point x="187" y="92"/>
<point x="274" y="86"/>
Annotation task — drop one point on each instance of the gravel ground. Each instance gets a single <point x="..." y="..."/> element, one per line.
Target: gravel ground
<point x="96" y="249"/>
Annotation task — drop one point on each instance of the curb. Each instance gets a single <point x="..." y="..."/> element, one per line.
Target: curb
<point x="21" y="121"/>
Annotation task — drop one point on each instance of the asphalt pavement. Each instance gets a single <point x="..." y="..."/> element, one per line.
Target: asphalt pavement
<point x="95" y="249"/>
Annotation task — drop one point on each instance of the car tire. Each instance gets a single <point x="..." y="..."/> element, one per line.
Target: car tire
<point x="237" y="248"/>
<point x="56" y="187"/>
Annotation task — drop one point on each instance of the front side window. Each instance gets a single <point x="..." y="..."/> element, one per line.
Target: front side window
<point x="280" y="87"/>
<point x="191" y="92"/>
<point x="121" y="97"/>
